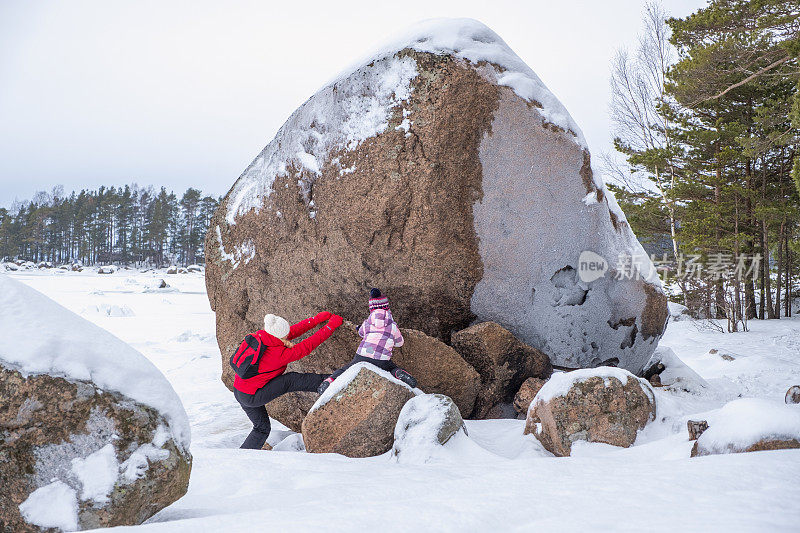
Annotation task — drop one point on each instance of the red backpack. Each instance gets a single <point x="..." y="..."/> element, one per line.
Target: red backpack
<point x="247" y="357"/>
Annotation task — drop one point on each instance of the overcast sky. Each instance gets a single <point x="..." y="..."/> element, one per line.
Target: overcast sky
<point x="186" y="93"/>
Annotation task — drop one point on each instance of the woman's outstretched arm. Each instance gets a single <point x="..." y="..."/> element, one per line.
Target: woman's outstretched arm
<point x="309" y="323"/>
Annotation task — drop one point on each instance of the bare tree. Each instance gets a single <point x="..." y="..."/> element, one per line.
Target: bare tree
<point x="640" y="114"/>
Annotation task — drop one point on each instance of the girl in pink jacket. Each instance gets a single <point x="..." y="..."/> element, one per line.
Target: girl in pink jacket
<point x="379" y="335"/>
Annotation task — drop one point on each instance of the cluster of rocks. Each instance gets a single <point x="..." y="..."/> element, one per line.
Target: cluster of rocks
<point x="184" y="270"/>
<point x="470" y="200"/>
<point x="19" y="264"/>
<point x="366" y="413"/>
<point x="484" y="368"/>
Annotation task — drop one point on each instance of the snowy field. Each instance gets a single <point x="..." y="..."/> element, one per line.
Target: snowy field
<point x="500" y="480"/>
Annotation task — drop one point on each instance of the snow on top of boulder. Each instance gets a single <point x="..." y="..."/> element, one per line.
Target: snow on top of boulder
<point x="342" y="114"/>
<point x="42" y="337"/>
<point x="358" y="104"/>
<point x="561" y="382"/>
<point x="746" y="421"/>
<point x="349" y="375"/>
<point x="473" y="41"/>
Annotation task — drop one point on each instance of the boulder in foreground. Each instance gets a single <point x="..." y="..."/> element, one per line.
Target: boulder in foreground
<point x="750" y="425"/>
<point x="92" y="433"/>
<point x="608" y="405"/>
<point x="357" y="414"/>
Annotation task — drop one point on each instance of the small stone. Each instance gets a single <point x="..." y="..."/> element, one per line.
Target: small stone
<point x="793" y="394"/>
<point x="655" y="380"/>
<point x="425" y="421"/>
<point x="696" y="428"/>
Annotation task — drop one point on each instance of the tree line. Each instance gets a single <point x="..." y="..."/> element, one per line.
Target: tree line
<point x="706" y="114"/>
<point x="128" y="225"/>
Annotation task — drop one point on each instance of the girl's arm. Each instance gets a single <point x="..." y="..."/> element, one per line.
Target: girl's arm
<point x="397" y="337"/>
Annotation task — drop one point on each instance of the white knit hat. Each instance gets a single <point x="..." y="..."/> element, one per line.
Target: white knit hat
<point x="276" y="326"/>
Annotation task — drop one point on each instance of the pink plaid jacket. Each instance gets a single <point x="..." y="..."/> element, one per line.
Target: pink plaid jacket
<point x="380" y="334"/>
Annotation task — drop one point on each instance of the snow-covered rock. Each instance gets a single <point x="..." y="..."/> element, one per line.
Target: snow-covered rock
<point x="678" y="311"/>
<point x="443" y="171"/>
<point x="111" y="310"/>
<point x="750" y="425"/>
<point x="172" y="270"/>
<point x="605" y="404"/>
<point x="677" y="375"/>
<point x="93" y="434"/>
<point x="12" y="267"/>
<point x="792" y="395"/>
<point x="194" y="268"/>
<point x="426" y="422"/>
<point x="357" y="414"/>
<point x="108" y="269"/>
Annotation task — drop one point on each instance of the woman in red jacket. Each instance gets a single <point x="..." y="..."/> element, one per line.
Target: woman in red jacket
<point x="272" y="379"/>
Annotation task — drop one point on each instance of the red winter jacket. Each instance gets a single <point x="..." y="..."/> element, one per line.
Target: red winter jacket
<point x="277" y="356"/>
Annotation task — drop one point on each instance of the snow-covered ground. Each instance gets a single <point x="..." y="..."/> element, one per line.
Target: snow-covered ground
<point x="506" y="482"/>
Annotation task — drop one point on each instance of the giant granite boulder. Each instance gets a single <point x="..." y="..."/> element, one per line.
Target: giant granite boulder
<point x="91" y="433"/>
<point x="443" y="171"/>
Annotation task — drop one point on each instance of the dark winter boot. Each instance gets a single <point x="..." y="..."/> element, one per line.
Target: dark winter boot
<point x="405" y="377"/>
<point x="323" y="386"/>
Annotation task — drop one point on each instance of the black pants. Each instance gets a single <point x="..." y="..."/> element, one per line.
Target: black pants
<point x="253" y="404"/>
<point x="386" y="365"/>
